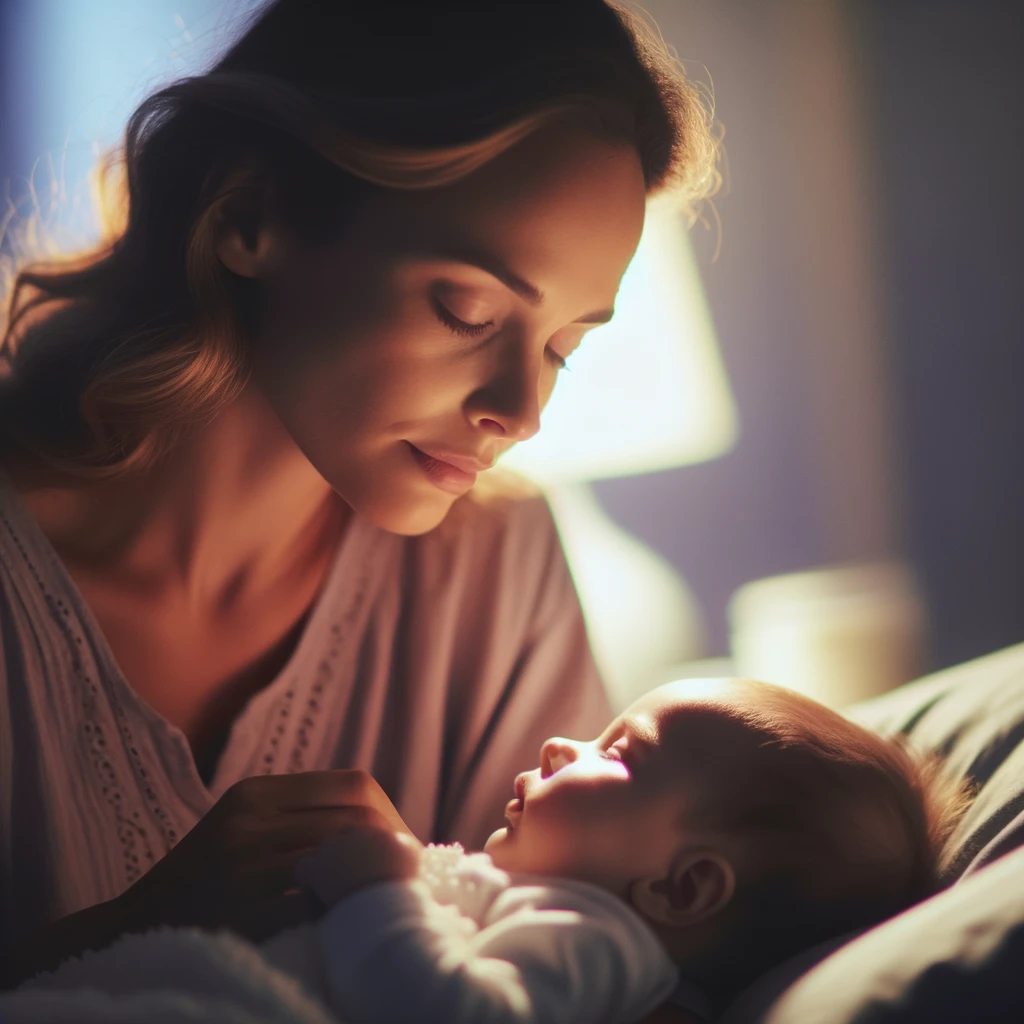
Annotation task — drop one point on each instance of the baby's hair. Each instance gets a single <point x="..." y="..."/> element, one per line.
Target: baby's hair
<point x="843" y="828"/>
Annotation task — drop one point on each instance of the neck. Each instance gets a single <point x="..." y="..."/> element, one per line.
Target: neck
<point x="225" y="513"/>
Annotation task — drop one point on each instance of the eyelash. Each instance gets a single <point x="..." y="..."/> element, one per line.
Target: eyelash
<point x="454" y="324"/>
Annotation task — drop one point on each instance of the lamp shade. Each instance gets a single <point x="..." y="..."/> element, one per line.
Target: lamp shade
<point x="646" y="391"/>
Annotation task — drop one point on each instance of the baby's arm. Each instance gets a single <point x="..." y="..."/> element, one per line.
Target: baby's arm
<point x="535" y="953"/>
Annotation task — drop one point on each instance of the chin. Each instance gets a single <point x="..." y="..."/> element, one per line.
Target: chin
<point x="408" y="521"/>
<point x="406" y="514"/>
<point x="497" y="846"/>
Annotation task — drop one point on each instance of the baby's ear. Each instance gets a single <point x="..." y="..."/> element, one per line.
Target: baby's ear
<point x="699" y="884"/>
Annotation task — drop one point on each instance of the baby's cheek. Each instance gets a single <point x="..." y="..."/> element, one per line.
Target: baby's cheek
<point x="560" y="828"/>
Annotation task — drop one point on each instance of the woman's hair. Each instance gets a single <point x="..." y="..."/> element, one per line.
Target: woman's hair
<point x="111" y="356"/>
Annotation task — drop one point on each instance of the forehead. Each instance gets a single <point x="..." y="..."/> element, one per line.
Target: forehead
<point x="668" y="704"/>
<point x="690" y="717"/>
<point x="562" y="206"/>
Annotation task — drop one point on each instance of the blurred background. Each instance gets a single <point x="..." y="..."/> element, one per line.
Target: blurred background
<point x="862" y="271"/>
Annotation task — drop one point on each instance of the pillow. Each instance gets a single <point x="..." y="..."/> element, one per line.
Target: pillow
<point x="965" y="942"/>
<point x="954" y="959"/>
<point x="973" y="717"/>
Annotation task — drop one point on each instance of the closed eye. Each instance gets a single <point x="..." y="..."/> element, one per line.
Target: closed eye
<point x="613" y="754"/>
<point x="453" y="323"/>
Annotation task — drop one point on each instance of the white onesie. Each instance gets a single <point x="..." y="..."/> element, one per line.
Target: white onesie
<point x="462" y="942"/>
<point x="467" y="942"/>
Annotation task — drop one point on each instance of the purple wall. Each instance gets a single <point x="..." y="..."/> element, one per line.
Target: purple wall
<point x="947" y="86"/>
<point x="942" y="86"/>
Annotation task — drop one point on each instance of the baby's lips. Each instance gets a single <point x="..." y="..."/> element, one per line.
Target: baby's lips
<point x="520" y="787"/>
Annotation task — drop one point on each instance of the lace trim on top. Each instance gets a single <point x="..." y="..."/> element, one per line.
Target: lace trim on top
<point x="137" y="849"/>
<point x="469" y="881"/>
<point x="136" y="842"/>
<point x="340" y="637"/>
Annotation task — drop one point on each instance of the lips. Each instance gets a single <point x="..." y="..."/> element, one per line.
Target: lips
<point x="467" y="463"/>
<point x="444" y="475"/>
<point x="515" y="807"/>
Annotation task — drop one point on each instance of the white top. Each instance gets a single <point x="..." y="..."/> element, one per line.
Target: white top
<point x="465" y="942"/>
<point x="437" y="663"/>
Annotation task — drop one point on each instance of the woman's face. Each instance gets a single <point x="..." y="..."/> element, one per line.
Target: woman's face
<point x="427" y="341"/>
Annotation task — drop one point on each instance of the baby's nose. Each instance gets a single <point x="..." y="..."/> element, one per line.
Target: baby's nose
<point x="555" y="754"/>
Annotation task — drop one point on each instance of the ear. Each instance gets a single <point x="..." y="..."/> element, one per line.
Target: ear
<point x="699" y="883"/>
<point x="245" y="239"/>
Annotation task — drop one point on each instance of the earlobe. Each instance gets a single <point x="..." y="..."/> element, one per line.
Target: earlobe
<point x="699" y="884"/>
<point x="243" y="240"/>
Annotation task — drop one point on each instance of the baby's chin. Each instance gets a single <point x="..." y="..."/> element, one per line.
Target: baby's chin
<point x="498" y="845"/>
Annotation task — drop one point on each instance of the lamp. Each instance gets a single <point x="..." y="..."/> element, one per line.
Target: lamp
<point x="647" y="392"/>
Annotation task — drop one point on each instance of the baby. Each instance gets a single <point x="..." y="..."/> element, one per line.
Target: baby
<point x="714" y="829"/>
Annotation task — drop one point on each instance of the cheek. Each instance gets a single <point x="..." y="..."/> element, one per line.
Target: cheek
<point x="322" y="301"/>
<point x="547" y="387"/>
<point x="356" y="369"/>
<point x="572" y="809"/>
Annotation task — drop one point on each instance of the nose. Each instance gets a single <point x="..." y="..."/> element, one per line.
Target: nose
<point x="555" y="754"/>
<point x="509" y="403"/>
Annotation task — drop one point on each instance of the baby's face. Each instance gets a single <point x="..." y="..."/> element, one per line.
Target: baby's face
<point x="611" y="810"/>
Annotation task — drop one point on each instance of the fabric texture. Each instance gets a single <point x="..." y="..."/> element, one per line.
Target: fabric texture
<point x="437" y="663"/>
<point x="953" y="959"/>
<point x="465" y="942"/>
<point x="972" y="715"/>
<point x="176" y="976"/>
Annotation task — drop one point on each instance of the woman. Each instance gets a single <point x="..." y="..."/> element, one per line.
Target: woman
<point x="240" y="541"/>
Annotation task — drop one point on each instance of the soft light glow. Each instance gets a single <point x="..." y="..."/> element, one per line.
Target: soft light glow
<point x="641" y="616"/>
<point x="838" y="634"/>
<point x="647" y="391"/>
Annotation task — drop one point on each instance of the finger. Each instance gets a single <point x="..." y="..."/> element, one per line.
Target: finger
<point x="284" y="831"/>
<point x="272" y="877"/>
<point x="271" y="870"/>
<point x="310" y="790"/>
<point x="302" y="790"/>
<point x="346" y="787"/>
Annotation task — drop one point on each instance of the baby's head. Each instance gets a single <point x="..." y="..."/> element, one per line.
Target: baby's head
<point x="742" y="820"/>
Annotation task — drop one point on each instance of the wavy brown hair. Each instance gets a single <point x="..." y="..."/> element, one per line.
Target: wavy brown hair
<point x="111" y="355"/>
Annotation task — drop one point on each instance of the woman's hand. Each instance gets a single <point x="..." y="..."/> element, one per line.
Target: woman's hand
<point x="235" y="869"/>
<point x="356" y="857"/>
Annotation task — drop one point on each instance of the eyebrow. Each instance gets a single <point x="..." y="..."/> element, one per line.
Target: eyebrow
<point x="491" y="264"/>
<point x="640" y="731"/>
<point x="640" y="735"/>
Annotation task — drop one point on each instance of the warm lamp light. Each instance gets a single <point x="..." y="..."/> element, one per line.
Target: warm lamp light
<point x="645" y="392"/>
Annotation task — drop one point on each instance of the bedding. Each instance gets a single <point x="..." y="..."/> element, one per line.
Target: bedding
<point x="176" y="976"/>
